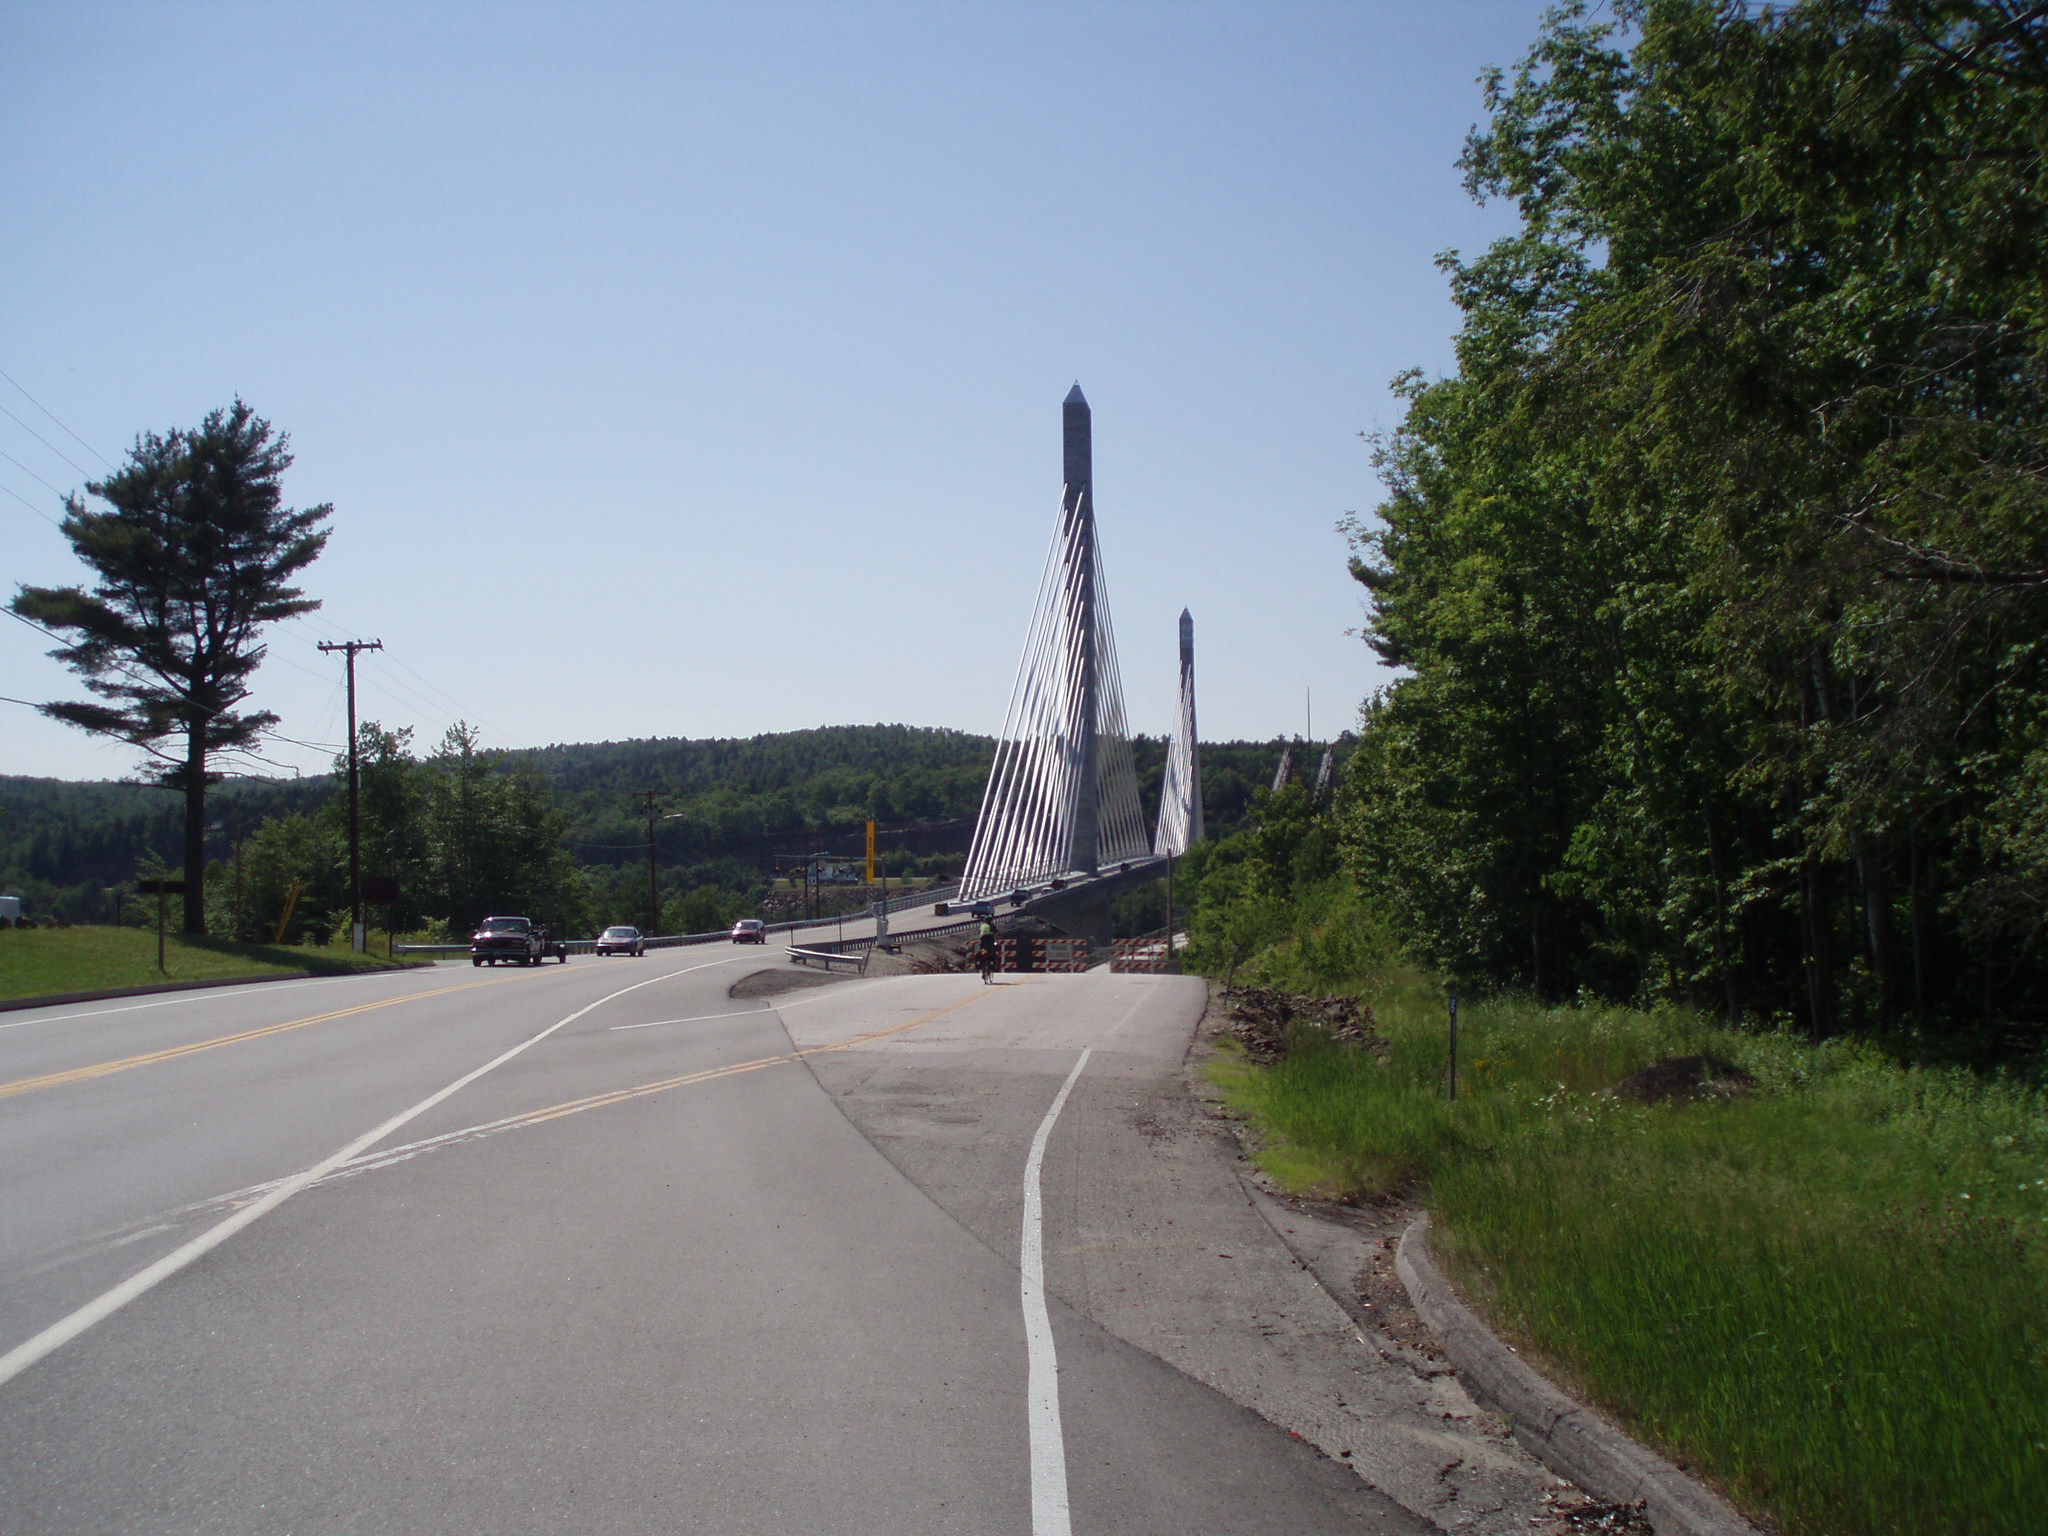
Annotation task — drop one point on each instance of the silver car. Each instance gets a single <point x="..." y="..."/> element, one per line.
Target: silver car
<point x="621" y="940"/>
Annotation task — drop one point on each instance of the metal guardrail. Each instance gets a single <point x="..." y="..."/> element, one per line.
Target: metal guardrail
<point x="855" y="960"/>
<point x="904" y="936"/>
<point x="678" y="940"/>
<point x="578" y="946"/>
<point x="924" y="898"/>
<point x="1039" y="886"/>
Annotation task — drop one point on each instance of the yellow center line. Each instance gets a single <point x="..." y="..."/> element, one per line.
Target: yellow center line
<point x="102" y="1068"/>
<point x="620" y="1095"/>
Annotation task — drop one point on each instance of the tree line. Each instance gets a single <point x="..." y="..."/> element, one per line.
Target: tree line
<point x="577" y="848"/>
<point x="1717" y="572"/>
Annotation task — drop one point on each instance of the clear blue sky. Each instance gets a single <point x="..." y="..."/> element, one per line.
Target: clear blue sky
<point x="695" y="369"/>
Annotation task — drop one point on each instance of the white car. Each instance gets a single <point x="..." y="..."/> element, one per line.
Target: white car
<point x="621" y="940"/>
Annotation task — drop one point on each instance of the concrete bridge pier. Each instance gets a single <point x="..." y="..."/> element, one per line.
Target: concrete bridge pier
<point x="1094" y="925"/>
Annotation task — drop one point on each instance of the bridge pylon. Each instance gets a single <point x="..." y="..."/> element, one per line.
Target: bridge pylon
<point x="1180" y="792"/>
<point x="1062" y="795"/>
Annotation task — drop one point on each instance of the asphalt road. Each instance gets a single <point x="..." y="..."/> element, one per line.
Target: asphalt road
<point x="662" y="1260"/>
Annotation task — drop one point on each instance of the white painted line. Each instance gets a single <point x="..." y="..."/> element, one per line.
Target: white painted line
<point x="105" y="1305"/>
<point x="738" y="1013"/>
<point x="208" y="995"/>
<point x="1042" y="1374"/>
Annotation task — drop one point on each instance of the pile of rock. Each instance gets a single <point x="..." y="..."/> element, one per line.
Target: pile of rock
<point x="1262" y="1016"/>
<point x="1686" y="1079"/>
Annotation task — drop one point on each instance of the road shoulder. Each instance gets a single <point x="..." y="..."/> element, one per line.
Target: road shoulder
<point x="1156" y="1238"/>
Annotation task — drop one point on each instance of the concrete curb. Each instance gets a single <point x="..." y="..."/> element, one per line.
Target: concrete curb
<point x="62" y="999"/>
<point x="1565" y="1436"/>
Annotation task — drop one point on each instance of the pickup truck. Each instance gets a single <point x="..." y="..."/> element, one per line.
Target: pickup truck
<point x="513" y="941"/>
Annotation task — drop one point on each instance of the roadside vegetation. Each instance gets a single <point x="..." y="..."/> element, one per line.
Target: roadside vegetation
<point x="1716" y="584"/>
<point x="37" y="962"/>
<point x="1826" y="1290"/>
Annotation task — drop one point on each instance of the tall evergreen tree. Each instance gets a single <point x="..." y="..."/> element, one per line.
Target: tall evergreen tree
<point x="195" y="556"/>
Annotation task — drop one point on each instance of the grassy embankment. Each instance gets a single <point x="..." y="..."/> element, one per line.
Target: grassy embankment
<point x="1831" y="1296"/>
<point x="35" y="962"/>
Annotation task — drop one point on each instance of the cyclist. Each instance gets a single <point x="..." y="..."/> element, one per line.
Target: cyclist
<point x="985" y="949"/>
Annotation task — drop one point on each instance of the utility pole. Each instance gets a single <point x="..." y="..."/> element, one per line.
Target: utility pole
<point x="355" y="836"/>
<point x="882" y="906"/>
<point x="653" y="875"/>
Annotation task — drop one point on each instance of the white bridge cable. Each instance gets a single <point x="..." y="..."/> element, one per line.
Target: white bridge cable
<point x="1034" y="796"/>
<point x="996" y="829"/>
<point x="1040" y="814"/>
<point x="1122" y="829"/>
<point x="1008" y="817"/>
<point x="1017" y="774"/>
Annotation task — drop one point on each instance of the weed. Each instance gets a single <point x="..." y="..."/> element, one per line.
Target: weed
<point x="1832" y="1293"/>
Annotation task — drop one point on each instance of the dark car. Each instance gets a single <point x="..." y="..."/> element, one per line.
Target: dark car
<point x="513" y="941"/>
<point x="621" y="940"/>
<point x="750" y="930"/>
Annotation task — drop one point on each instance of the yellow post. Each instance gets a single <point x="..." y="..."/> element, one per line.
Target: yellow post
<point x="291" y="901"/>
<point x="871" y="853"/>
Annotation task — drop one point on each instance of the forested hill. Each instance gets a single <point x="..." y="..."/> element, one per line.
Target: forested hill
<point x="731" y="804"/>
<point x="732" y="798"/>
<point x="62" y="832"/>
<point x="726" y="795"/>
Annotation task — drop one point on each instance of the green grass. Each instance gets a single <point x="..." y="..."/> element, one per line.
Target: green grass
<point x="35" y="962"/>
<point x="1831" y="1297"/>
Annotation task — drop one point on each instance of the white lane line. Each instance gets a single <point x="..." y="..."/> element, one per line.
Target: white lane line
<point x="740" y="1013"/>
<point x="105" y="1305"/>
<point x="1042" y="1375"/>
<point x="203" y="995"/>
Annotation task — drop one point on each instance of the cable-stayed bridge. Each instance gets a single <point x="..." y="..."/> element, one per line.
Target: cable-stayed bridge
<point x="1060" y="824"/>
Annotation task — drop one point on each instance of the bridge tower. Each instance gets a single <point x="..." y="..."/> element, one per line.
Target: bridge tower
<point x="1180" y="794"/>
<point x="1062" y="795"/>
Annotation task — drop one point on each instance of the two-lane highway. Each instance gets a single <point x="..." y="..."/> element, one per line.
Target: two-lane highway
<point x="596" y="1247"/>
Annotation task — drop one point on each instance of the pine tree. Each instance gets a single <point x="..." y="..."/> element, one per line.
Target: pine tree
<point x="196" y="555"/>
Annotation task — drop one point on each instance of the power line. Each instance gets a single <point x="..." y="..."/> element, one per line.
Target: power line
<point x="10" y="458"/>
<point x="39" y="512"/>
<point x="434" y="703"/>
<point x="314" y="746"/>
<point x="32" y="400"/>
<point x="32" y="624"/>
<point x="32" y="432"/>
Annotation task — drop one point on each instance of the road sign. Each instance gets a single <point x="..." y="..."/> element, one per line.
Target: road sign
<point x="161" y="887"/>
<point x="380" y="890"/>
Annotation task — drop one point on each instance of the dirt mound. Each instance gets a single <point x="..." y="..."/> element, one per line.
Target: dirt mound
<point x="772" y="983"/>
<point x="1261" y="1016"/>
<point x="1682" y="1079"/>
<point x="933" y="958"/>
